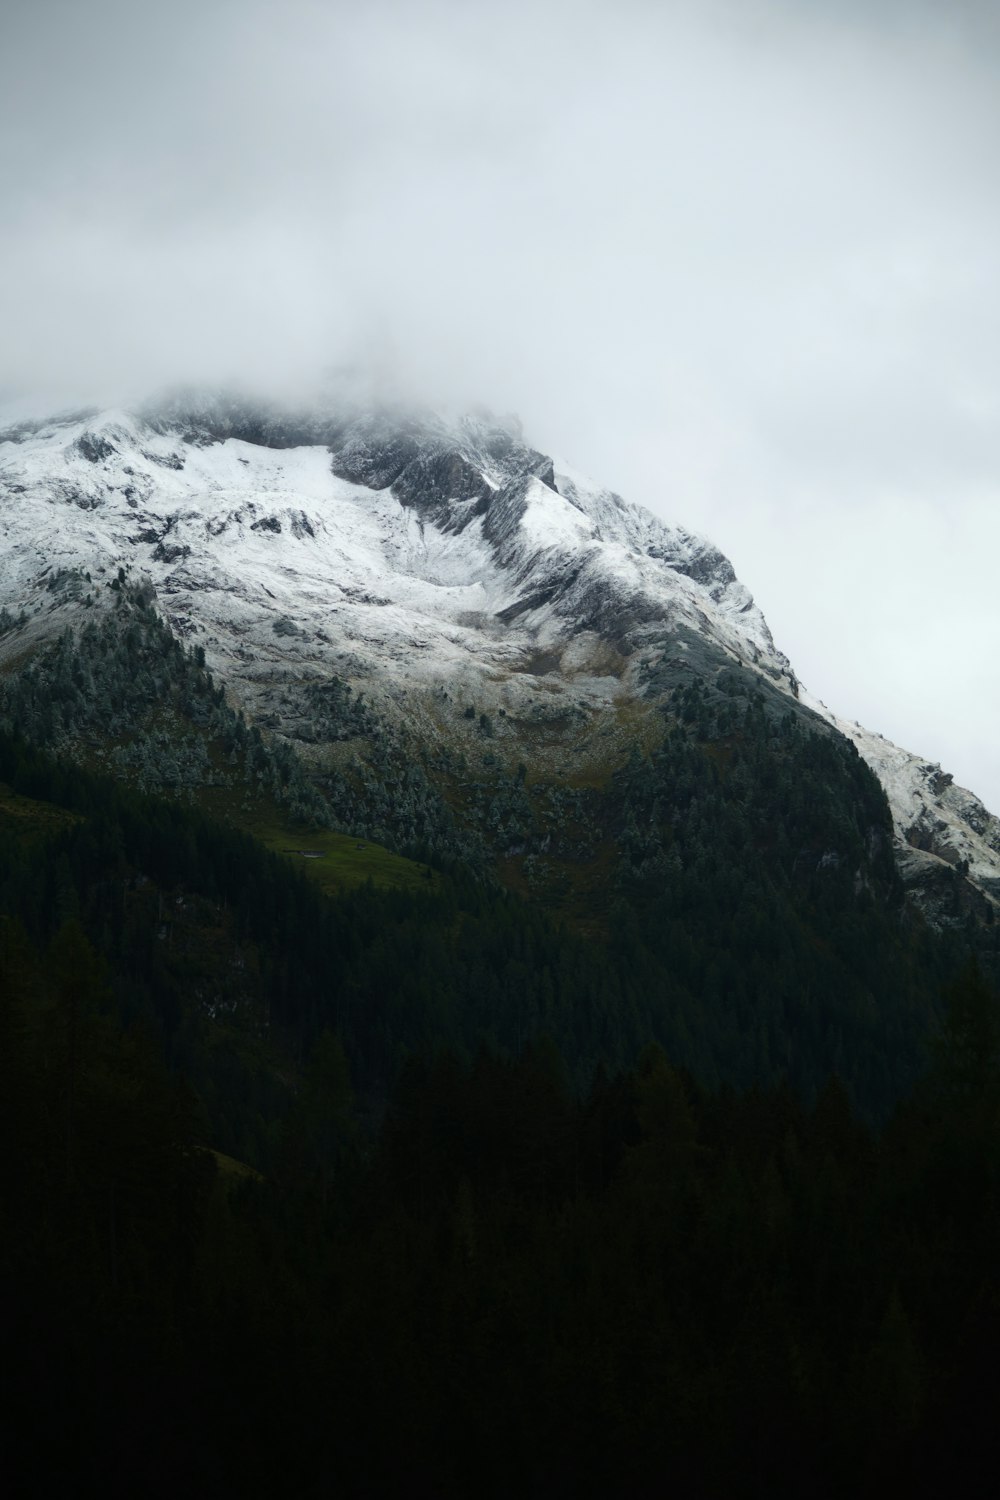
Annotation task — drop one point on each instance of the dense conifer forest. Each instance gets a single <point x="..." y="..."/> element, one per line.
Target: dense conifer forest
<point x="690" y="1181"/>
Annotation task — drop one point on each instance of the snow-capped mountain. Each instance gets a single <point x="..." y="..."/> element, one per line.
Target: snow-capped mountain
<point x="437" y="564"/>
<point x="406" y="557"/>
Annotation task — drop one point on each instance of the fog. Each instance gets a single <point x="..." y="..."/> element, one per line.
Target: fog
<point x="737" y="260"/>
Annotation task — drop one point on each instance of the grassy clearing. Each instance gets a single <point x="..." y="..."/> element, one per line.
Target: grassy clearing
<point x="25" y="817"/>
<point x="230" y="1170"/>
<point x="337" y="861"/>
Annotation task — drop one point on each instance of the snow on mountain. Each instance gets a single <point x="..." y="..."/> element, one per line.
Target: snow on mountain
<point x="397" y="556"/>
<point x="427" y="560"/>
<point x="936" y="822"/>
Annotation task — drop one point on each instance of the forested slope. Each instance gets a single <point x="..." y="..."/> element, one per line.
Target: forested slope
<point x="680" y="1157"/>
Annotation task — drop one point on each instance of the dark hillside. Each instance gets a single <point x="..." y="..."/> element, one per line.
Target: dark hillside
<point x="380" y="1180"/>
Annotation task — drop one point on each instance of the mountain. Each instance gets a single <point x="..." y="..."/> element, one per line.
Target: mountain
<point x="477" y="595"/>
<point x="481" y="1028"/>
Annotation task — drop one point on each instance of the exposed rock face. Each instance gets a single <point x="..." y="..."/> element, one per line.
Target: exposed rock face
<point x="941" y="829"/>
<point x="432" y="563"/>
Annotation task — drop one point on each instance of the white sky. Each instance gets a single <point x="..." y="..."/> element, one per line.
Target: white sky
<point x="739" y="259"/>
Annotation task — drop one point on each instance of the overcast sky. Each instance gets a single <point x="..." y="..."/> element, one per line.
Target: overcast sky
<point x="739" y="261"/>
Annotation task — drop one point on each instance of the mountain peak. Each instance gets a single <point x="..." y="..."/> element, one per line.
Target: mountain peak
<point x="429" y="559"/>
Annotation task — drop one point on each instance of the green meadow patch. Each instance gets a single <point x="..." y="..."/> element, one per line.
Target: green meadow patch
<point x="339" y="861"/>
<point x="231" y="1171"/>
<point x="25" y="817"/>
